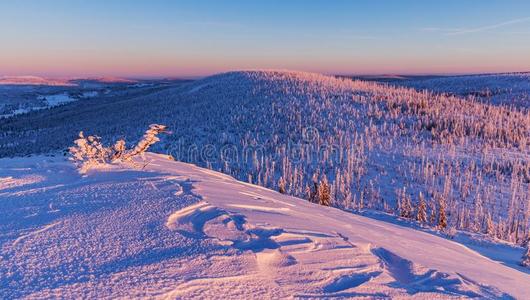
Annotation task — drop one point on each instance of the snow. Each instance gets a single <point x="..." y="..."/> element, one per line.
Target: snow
<point x="509" y="89"/>
<point x="15" y="112"/>
<point x="33" y="80"/>
<point x="57" y="99"/>
<point x="110" y="79"/>
<point x="10" y="182"/>
<point x="32" y="101"/>
<point x="140" y="85"/>
<point x="174" y="230"/>
<point x="89" y="94"/>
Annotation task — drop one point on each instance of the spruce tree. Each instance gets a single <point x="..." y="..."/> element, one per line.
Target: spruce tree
<point x="442" y="218"/>
<point x="281" y="185"/>
<point x="432" y="215"/>
<point x="421" y="216"/>
<point x="324" y="192"/>
<point x="404" y="204"/>
<point x="490" y="228"/>
<point x="308" y="193"/>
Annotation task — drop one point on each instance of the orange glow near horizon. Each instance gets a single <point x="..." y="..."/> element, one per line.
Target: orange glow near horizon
<point x="135" y="66"/>
<point x="161" y="39"/>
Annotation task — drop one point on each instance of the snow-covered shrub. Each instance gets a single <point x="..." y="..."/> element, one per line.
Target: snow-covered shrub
<point x="149" y="138"/>
<point x="89" y="152"/>
<point x="119" y="149"/>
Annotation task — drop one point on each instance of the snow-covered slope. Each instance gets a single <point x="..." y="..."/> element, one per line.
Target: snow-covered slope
<point x="377" y="146"/>
<point x="167" y="229"/>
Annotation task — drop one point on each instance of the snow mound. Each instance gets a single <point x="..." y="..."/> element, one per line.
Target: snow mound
<point x="174" y="230"/>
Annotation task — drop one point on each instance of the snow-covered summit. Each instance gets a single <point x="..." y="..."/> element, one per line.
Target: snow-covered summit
<point x="174" y="230"/>
<point x="252" y="79"/>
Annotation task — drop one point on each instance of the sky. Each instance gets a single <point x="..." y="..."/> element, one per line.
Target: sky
<point x="157" y="38"/>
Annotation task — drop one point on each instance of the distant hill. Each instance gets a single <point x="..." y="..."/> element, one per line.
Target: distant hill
<point x="33" y="80"/>
<point x="36" y="80"/>
<point x="510" y="89"/>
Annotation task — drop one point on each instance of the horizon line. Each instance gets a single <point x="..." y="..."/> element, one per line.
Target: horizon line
<point x="195" y="77"/>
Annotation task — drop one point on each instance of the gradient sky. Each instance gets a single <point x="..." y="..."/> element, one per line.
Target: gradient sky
<point x="59" y="38"/>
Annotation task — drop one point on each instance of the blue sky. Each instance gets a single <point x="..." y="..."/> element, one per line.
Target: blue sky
<point x="195" y="38"/>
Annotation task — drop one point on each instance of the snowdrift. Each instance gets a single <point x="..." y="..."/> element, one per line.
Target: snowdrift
<point x="174" y="230"/>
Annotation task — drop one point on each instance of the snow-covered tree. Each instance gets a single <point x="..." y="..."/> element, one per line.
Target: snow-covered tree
<point x="442" y="218"/>
<point x="281" y="185"/>
<point x="421" y="215"/>
<point x="432" y="215"/>
<point x="377" y="138"/>
<point x="307" y="192"/>
<point x="404" y="203"/>
<point x="490" y="227"/>
<point x="324" y="193"/>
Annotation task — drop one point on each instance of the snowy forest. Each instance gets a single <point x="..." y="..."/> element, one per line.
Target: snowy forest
<point x="441" y="160"/>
